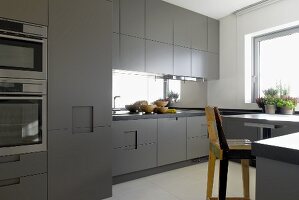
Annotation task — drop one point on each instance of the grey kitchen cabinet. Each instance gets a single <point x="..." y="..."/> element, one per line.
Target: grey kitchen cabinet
<point x="115" y="51"/>
<point x="213" y="35"/>
<point x="182" y="61"/>
<point x="79" y="61"/>
<point x="197" y="137"/>
<point x="199" y="32"/>
<point x="32" y="11"/>
<point x="24" y="188"/>
<point x="171" y="140"/>
<point x="22" y="165"/>
<point x="284" y="130"/>
<point x="199" y="63"/>
<point x="182" y="27"/>
<point x="132" y="17"/>
<point x="159" y="57"/>
<point x="213" y="66"/>
<point x="159" y="21"/>
<point x="116" y="16"/>
<point x="236" y="129"/>
<point x="132" y="53"/>
<point x="134" y="145"/>
<point x="79" y="165"/>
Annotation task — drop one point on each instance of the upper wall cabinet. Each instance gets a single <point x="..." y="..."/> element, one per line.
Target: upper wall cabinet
<point x="213" y="35"/>
<point x="116" y="16"/>
<point x="159" y="21"/>
<point x="182" y="27"/>
<point x="33" y="11"/>
<point x="199" y="32"/>
<point x="132" y="14"/>
<point x="182" y="61"/>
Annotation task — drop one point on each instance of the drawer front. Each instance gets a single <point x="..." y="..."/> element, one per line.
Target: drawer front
<point x="24" y="188"/>
<point x="23" y="165"/>
<point x="197" y="147"/>
<point x="196" y="126"/>
<point x="127" y="160"/>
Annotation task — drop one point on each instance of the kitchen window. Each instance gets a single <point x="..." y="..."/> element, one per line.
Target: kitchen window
<point x="276" y="62"/>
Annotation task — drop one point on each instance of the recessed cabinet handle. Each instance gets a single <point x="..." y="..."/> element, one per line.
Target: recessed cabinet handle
<point x="9" y="182"/>
<point x="136" y="139"/>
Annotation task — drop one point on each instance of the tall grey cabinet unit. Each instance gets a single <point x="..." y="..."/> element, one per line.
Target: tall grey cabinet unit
<point x="132" y="17"/>
<point x="32" y="11"/>
<point x="213" y="35"/>
<point x="80" y="85"/>
<point x="197" y="137"/>
<point x="171" y="140"/>
<point x="116" y="16"/>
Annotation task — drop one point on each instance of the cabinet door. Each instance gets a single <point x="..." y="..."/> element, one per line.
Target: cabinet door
<point x="79" y="61"/>
<point x="171" y="140"/>
<point x="33" y="11"/>
<point x="197" y="137"/>
<point x="115" y="51"/>
<point x="182" y="61"/>
<point x="213" y="35"/>
<point x="132" y="17"/>
<point x="199" y="32"/>
<point x="116" y="16"/>
<point x="79" y="165"/>
<point x="284" y="130"/>
<point x="213" y="66"/>
<point x="132" y="53"/>
<point x="159" y="21"/>
<point x="159" y="58"/>
<point x="182" y="27"/>
<point x="199" y="63"/>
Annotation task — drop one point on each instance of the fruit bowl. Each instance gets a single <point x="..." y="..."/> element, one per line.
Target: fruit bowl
<point x="148" y="108"/>
<point x="161" y="103"/>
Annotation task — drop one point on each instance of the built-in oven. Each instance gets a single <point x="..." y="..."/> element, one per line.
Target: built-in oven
<point x="23" y="116"/>
<point x="23" y="50"/>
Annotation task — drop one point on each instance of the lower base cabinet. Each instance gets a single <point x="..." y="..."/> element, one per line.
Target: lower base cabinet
<point x="24" y="188"/>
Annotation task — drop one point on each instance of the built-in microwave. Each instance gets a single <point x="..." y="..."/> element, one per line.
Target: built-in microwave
<point x="23" y="116"/>
<point x="23" y="50"/>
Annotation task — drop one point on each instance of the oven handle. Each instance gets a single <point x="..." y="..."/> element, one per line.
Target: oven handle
<point x="22" y="38"/>
<point x="21" y="98"/>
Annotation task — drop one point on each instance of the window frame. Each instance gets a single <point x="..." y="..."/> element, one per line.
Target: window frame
<point x="255" y="77"/>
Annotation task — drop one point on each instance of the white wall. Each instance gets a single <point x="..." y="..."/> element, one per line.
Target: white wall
<point x="229" y="92"/>
<point x="193" y="95"/>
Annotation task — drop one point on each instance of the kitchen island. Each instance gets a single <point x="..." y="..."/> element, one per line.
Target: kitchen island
<point x="277" y="167"/>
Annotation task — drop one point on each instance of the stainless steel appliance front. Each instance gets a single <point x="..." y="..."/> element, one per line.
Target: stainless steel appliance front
<point x="23" y="50"/>
<point x="23" y="116"/>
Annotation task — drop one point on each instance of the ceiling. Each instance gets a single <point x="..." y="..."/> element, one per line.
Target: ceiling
<point x="213" y="8"/>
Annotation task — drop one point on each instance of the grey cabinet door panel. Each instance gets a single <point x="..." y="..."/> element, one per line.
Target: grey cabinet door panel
<point x="132" y="53"/>
<point x="199" y="63"/>
<point x="196" y="126"/>
<point x="79" y="61"/>
<point x="79" y="165"/>
<point x="235" y="129"/>
<point x="159" y="58"/>
<point x="33" y="11"/>
<point x="213" y="66"/>
<point x="199" y="32"/>
<point x="182" y="27"/>
<point x="115" y="51"/>
<point x="182" y="61"/>
<point x="25" y="188"/>
<point x="284" y="131"/>
<point x="23" y="165"/>
<point x="213" y="35"/>
<point x="171" y="140"/>
<point x="116" y="9"/>
<point x="197" y="147"/>
<point x="127" y="160"/>
<point x="159" y="21"/>
<point x="132" y="17"/>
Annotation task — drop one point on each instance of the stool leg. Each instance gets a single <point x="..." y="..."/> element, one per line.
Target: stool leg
<point x="245" y="177"/>
<point x="211" y="171"/>
<point x="223" y="179"/>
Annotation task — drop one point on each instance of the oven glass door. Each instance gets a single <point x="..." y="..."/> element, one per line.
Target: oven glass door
<point x="20" y="122"/>
<point x="21" y="54"/>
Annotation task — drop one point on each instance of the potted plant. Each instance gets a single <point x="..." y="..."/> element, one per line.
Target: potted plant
<point x="270" y="104"/>
<point x="271" y="92"/>
<point x="172" y="97"/>
<point x="261" y="103"/>
<point x="287" y="105"/>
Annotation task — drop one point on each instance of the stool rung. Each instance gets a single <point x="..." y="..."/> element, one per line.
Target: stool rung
<point x="230" y="198"/>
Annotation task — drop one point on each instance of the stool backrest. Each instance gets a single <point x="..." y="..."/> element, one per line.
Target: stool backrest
<point x="213" y="117"/>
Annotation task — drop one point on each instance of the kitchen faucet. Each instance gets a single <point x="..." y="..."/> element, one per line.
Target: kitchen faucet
<point x="114" y="98"/>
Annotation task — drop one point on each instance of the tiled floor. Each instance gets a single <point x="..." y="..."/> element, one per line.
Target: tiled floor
<point x="187" y="183"/>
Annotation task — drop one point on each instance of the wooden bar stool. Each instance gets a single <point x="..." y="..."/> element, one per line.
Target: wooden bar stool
<point x="225" y="150"/>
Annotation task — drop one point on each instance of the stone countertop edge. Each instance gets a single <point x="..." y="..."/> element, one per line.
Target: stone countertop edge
<point x="156" y="116"/>
<point x="284" y="148"/>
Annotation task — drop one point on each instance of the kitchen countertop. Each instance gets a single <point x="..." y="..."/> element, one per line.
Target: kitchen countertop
<point x="284" y="148"/>
<point x="125" y="115"/>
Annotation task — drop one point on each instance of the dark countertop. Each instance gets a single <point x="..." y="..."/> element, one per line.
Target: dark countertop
<point x="267" y="118"/>
<point x="284" y="148"/>
<point x="125" y="115"/>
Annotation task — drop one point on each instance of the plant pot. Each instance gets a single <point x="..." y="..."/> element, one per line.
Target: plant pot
<point x="286" y="111"/>
<point x="270" y="109"/>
